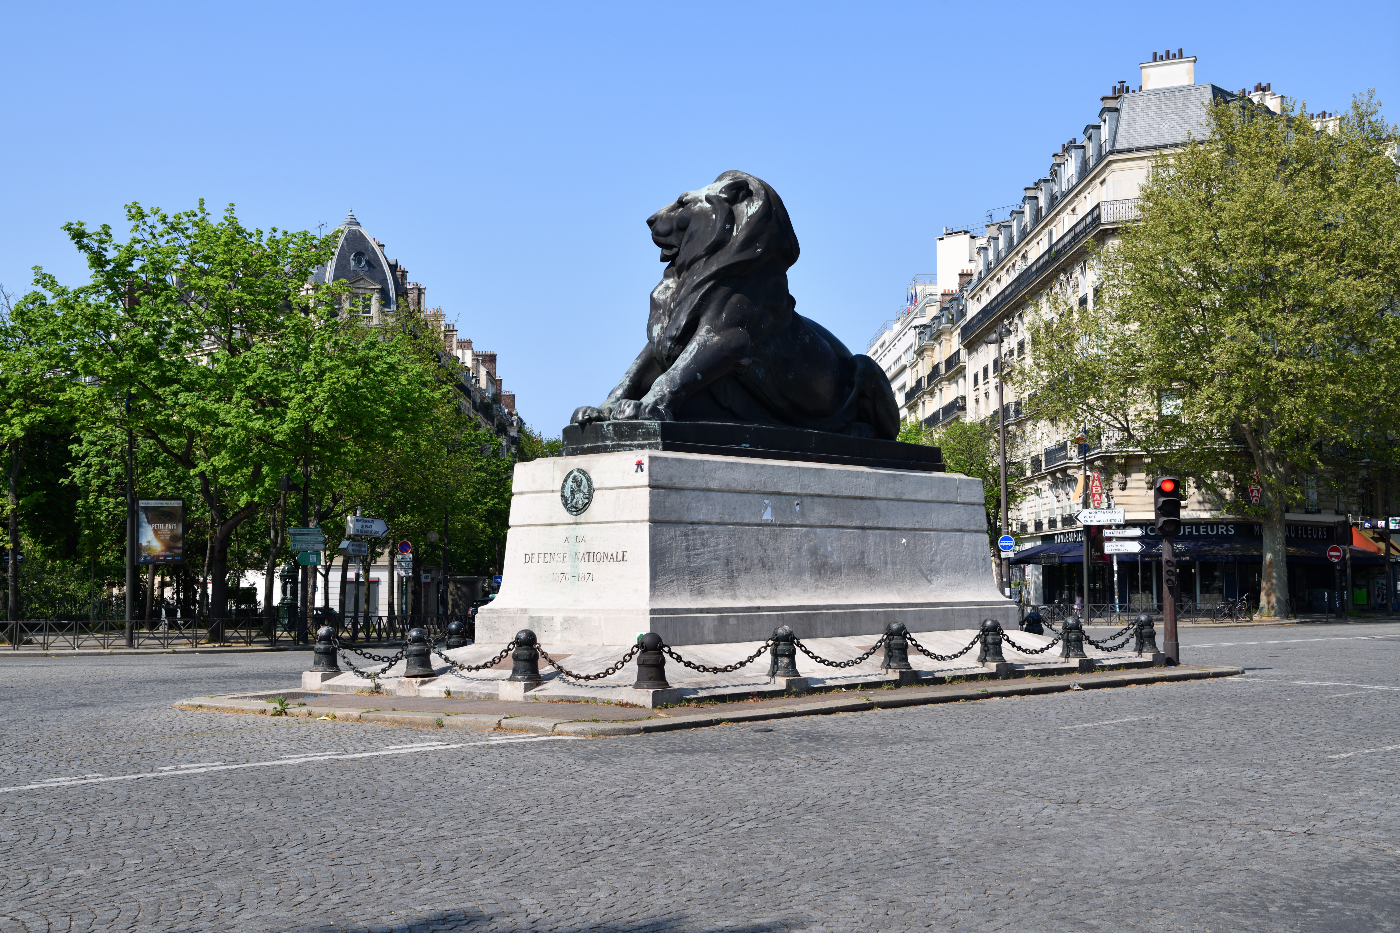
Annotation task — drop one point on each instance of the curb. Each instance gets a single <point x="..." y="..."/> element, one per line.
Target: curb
<point x="548" y="725"/>
<point x="142" y="652"/>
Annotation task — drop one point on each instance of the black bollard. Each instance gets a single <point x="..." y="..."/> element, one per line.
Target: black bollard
<point x="418" y="658"/>
<point x="1072" y="639"/>
<point x="456" y="635"/>
<point x="1034" y="623"/>
<point x="1145" y="636"/>
<point x="896" y="648"/>
<point x="989" y="651"/>
<point x="525" y="659"/>
<point x="783" y="654"/>
<point x="651" y="664"/>
<point x="327" y="658"/>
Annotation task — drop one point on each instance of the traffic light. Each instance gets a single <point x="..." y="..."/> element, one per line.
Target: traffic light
<point x="1166" y="505"/>
<point x="1096" y="554"/>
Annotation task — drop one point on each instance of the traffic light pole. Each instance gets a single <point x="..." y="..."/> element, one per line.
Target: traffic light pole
<point x="1170" y="646"/>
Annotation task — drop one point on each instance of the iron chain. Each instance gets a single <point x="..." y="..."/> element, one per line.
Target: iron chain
<point x="1007" y="638"/>
<point x="727" y="669"/>
<point x="1125" y="631"/>
<point x="851" y="663"/>
<point x="464" y="668"/>
<point x="598" y="676"/>
<point x="939" y="657"/>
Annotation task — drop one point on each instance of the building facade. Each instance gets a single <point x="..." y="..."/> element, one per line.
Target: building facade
<point x="1004" y="275"/>
<point x="379" y="286"/>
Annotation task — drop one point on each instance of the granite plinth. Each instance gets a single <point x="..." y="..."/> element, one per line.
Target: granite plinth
<point x="706" y="549"/>
<point x="762" y="441"/>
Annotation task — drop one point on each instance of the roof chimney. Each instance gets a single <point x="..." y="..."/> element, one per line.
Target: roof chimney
<point x="1166" y="71"/>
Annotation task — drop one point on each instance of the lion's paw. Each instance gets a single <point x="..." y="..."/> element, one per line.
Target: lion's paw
<point x="628" y="410"/>
<point x="586" y="415"/>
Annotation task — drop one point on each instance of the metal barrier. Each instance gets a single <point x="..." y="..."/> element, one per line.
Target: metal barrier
<point x="239" y="631"/>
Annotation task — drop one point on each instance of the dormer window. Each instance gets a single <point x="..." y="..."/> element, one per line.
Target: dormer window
<point x="358" y="261"/>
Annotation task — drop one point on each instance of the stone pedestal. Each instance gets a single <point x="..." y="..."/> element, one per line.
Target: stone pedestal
<point x="710" y="549"/>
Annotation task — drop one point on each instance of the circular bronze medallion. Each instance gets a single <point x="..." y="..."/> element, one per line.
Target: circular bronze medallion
<point x="577" y="492"/>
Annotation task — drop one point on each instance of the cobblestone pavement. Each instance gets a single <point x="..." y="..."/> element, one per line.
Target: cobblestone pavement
<point x="1263" y="802"/>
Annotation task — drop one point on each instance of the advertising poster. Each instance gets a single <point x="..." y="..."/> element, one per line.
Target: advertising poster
<point x="160" y="531"/>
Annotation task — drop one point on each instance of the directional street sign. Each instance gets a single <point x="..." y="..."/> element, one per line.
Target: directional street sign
<point x="309" y="558"/>
<point x="1122" y="547"/>
<point x="1100" y="516"/>
<point x="1334" y="554"/>
<point x="354" y="548"/>
<point x="368" y="527"/>
<point x="1006" y="543"/>
<point x="307" y="544"/>
<point x="1127" y="531"/>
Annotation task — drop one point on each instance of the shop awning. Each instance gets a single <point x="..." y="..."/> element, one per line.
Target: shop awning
<point x="1227" y="551"/>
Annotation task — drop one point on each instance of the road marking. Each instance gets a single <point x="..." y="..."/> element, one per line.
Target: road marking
<point x="1111" y="722"/>
<point x="197" y="764"/>
<point x="1328" y="683"/>
<point x="1352" y="693"/>
<point x="1285" y="641"/>
<point x="396" y="748"/>
<point x="1365" y="751"/>
<point x="50" y="783"/>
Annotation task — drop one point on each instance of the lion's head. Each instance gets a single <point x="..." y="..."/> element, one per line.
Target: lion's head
<point x="726" y="227"/>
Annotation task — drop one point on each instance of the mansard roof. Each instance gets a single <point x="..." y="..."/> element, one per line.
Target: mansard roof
<point x="1165" y="116"/>
<point x="360" y="260"/>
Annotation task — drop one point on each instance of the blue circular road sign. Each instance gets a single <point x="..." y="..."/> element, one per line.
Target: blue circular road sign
<point x="1006" y="542"/>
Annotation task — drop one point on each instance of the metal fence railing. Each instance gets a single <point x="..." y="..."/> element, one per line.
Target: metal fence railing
<point x="238" y="631"/>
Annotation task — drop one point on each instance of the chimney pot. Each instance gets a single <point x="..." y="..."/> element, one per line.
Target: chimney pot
<point x="1178" y="53"/>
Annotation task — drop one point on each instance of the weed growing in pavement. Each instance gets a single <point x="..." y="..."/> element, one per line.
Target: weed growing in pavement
<point x="279" y="706"/>
<point x="439" y="722"/>
<point x="447" y="692"/>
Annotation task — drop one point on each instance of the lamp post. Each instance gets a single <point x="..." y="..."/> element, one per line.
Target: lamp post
<point x="999" y="366"/>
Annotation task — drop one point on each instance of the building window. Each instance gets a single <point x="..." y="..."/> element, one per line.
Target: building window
<point x="357" y="260"/>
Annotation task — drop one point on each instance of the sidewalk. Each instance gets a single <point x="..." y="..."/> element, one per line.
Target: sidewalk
<point x="596" y="719"/>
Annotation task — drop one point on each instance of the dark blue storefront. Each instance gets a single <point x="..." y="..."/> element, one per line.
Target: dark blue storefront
<point x="1216" y="560"/>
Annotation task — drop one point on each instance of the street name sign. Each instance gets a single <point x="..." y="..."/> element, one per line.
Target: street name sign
<point x="1006" y="543"/>
<point x="1334" y="554"/>
<point x="1100" y="516"/>
<point x="367" y="527"/>
<point x="1122" y="547"/>
<point x="354" y="548"/>
<point x="309" y="558"/>
<point x="1127" y="531"/>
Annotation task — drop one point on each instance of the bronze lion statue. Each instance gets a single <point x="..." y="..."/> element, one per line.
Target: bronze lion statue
<point x="724" y="340"/>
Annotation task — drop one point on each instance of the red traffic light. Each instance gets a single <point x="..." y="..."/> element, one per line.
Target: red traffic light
<point x="1167" y="485"/>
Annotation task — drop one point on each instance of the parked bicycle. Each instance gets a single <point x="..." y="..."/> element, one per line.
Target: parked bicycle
<point x="1233" y="610"/>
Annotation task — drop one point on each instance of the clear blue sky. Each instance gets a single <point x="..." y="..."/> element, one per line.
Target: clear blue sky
<point x="509" y="153"/>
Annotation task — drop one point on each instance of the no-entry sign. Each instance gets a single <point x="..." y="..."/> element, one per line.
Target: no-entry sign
<point x="1334" y="554"/>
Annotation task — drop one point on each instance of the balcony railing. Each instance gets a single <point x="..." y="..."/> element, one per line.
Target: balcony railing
<point x="1115" y="212"/>
<point x="1056" y="455"/>
<point x="953" y="361"/>
<point x="946" y="413"/>
<point x="1022" y="281"/>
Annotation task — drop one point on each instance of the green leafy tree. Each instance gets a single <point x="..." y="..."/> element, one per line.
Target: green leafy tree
<point x="1238" y="323"/>
<point x="972" y="448"/>
<point x="32" y="405"/>
<point x="176" y="335"/>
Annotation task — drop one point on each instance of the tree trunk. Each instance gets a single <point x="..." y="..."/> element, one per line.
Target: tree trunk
<point x="344" y="561"/>
<point x="1273" y="578"/>
<point x="274" y="546"/>
<point x="12" y="559"/>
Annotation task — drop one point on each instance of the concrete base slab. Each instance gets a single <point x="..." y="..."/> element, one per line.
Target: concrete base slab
<point x="312" y="680"/>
